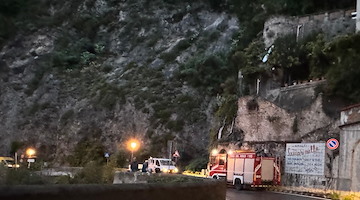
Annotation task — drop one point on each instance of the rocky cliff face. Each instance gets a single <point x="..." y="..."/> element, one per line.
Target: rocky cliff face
<point x="104" y="71"/>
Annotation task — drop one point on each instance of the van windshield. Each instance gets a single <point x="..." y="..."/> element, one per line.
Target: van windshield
<point x="6" y="162"/>
<point x="166" y="162"/>
<point x="10" y="162"/>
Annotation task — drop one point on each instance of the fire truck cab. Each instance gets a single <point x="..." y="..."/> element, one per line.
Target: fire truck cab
<point x="217" y="166"/>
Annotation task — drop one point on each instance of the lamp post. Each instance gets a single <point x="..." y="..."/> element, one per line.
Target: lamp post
<point x="30" y="152"/>
<point x="133" y="145"/>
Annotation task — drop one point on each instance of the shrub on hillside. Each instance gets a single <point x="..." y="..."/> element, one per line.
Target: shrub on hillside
<point x="95" y="173"/>
<point x="22" y="176"/>
<point x="87" y="150"/>
<point x="197" y="164"/>
<point x="206" y="72"/>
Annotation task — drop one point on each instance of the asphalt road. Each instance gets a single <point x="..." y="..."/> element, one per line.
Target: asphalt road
<point x="232" y="194"/>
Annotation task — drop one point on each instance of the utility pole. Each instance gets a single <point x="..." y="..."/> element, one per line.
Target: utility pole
<point x="257" y="86"/>
<point x="16" y="161"/>
<point x="240" y="81"/>
<point x="357" y="16"/>
<point x="170" y="146"/>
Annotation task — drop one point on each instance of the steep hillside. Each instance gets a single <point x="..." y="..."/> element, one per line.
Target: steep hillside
<point x="79" y="78"/>
<point x="99" y="72"/>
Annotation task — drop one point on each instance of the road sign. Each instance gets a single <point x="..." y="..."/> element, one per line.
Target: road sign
<point x="106" y="155"/>
<point x="31" y="160"/>
<point x="332" y="144"/>
<point x="176" y="154"/>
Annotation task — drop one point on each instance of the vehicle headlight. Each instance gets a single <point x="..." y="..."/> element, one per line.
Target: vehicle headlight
<point x="176" y="170"/>
<point x="165" y="170"/>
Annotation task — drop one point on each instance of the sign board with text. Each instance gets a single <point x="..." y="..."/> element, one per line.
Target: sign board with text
<point x="305" y="158"/>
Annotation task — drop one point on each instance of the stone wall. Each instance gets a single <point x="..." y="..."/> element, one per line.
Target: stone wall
<point x="207" y="189"/>
<point x="270" y="122"/>
<point x="330" y="23"/>
<point x="292" y="114"/>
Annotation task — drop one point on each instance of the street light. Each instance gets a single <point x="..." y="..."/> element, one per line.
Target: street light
<point x="214" y="152"/>
<point x="133" y="145"/>
<point x="30" y="152"/>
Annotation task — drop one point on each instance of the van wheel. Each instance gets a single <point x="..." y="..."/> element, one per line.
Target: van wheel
<point x="238" y="185"/>
<point x="157" y="170"/>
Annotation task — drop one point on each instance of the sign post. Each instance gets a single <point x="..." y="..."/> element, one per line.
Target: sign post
<point x="107" y="155"/>
<point x="30" y="160"/>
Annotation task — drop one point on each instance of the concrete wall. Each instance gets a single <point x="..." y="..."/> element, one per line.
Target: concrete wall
<point x="204" y="190"/>
<point x="349" y="164"/>
<point x="330" y="23"/>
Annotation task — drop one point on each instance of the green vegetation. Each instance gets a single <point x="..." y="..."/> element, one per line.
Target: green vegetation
<point x="160" y="141"/>
<point x="119" y="158"/>
<point x="344" y="71"/>
<point x="93" y="173"/>
<point x="108" y="96"/>
<point x="172" y="179"/>
<point x="15" y="146"/>
<point x="75" y="55"/>
<point x="206" y="72"/>
<point x="87" y="150"/>
<point x="311" y="58"/>
<point x="21" y="176"/>
<point x="197" y="164"/>
<point x="337" y="60"/>
<point x="11" y="12"/>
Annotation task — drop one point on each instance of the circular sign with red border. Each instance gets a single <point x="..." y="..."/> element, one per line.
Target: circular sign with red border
<point x="332" y="144"/>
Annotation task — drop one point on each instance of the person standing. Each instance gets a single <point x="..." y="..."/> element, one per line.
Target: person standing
<point x="134" y="165"/>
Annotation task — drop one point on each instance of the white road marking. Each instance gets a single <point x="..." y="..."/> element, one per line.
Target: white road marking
<point x="300" y="195"/>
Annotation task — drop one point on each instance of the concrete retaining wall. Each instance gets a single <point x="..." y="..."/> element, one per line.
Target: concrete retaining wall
<point x="330" y="23"/>
<point x="204" y="190"/>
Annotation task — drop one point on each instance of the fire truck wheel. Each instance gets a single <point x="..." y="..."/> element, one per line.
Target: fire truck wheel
<point x="157" y="170"/>
<point x="215" y="177"/>
<point x="238" y="185"/>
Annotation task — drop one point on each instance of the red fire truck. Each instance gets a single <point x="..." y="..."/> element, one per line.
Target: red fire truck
<point x="245" y="169"/>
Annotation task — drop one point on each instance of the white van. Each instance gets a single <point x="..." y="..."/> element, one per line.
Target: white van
<point x="8" y="162"/>
<point x="164" y="165"/>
